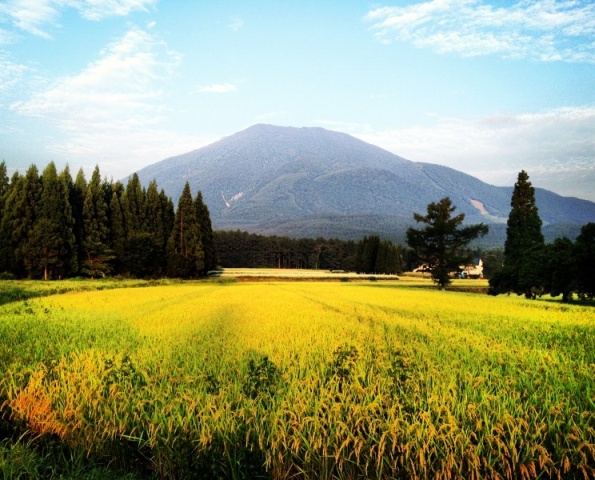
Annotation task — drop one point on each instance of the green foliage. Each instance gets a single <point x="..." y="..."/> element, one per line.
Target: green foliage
<point x="52" y="227"/>
<point x="492" y="262"/>
<point x="117" y="237"/>
<point x="250" y="250"/>
<point x="185" y="254"/>
<point x="4" y="183"/>
<point x="585" y="262"/>
<point x="262" y="377"/>
<point x="532" y="268"/>
<point x="524" y="225"/>
<point x="96" y="230"/>
<point x="522" y="270"/>
<point x="5" y="250"/>
<point x="21" y="214"/>
<point x="367" y="252"/>
<point x="135" y="212"/>
<point x="439" y="245"/>
<point x="7" y="217"/>
<point x="342" y="365"/>
<point x="211" y="259"/>
<point x="78" y="190"/>
<point x="562" y="268"/>
<point x="378" y="256"/>
<point x="121" y="373"/>
<point x="50" y="248"/>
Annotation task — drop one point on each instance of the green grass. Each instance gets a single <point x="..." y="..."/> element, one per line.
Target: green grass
<point x="295" y="379"/>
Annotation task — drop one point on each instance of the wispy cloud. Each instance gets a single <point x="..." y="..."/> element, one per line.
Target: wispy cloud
<point x="122" y="79"/>
<point x="546" y="30"/>
<point x="34" y="16"/>
<point x="115" y="103"/>
<point x="218" y="88"/>
<point x="556" y="147"/>
<point x="11" y="73"/>
<point x="6" y="37"/>
<point x="235" y="23"/>
<point x="31" y="15"/>
<point x="100" y="9"/>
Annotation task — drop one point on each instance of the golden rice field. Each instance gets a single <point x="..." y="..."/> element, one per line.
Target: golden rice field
<point x="304" y="380"/>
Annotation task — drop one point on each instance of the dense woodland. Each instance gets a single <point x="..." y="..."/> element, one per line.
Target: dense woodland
<point x="250" y="250"/>
<point x="533" y="268"/>
<point x="54" y="226"/>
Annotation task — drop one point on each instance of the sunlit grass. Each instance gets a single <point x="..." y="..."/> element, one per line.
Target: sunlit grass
<point x="306" y="379"/>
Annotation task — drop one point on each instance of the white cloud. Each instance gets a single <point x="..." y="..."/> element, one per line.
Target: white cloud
<point x="6" y="37"/>
<point x="100" y="9"/>
<point x="121" y="80"/>
<point x="545" y="30"/>
<point x="114" y="105"/>
<point x="556" y="147"/>
<point x="235" y="23"/>
<point x="218" y="88"/>
<point x="10" y="73"/>
<point x="34" y="16"/>
<point x="31" y="15"/>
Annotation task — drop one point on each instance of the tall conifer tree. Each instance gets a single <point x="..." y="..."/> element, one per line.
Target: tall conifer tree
<point x="167" y="220"/>
<point x="96" y="231"/>
<point x="50" y="246"/>
<point x="25" y="214"/>
<point x="4" y="244"/>
<point x="71" y="266"/>
<point x="78" y="191"/>
<point x="206" y="234"/>
<point x="524" y="244"/>
<point x="135" y="206"/>
<point x="585" y="262"/>
<point x="185" y="255"/>
<point x="440" y="244"/>
<point x="4" y="183"/>
<point x="117" y="236"/>
<point x="10" y="200"/>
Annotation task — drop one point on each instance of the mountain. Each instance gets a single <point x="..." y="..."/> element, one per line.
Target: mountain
<point x="308" y="182"/>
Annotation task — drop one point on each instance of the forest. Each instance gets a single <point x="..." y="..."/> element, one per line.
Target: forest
<point x="251" y="250"/>
<point x="53" y="226"/>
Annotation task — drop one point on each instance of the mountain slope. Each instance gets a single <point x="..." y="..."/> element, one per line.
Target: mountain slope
<point x="311" y="181"/>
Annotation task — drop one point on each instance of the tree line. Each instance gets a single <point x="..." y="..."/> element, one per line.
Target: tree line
<point x="251" y="250"/>
<point x="54" y="226"/>
<point x="533" y="268"/>
<point x="528" y="266"/>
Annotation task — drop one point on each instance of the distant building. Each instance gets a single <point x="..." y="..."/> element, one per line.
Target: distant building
<point x="472" y="270"/>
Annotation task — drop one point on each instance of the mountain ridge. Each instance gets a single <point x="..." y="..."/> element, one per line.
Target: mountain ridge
<point x="307" y="181"/>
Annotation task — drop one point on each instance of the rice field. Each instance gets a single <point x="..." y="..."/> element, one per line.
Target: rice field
<point x="300" y="274"/>
<point x="317" y="379"/>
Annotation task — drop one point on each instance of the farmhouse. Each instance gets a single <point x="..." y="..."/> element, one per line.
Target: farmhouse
<point x="472" y="270"/>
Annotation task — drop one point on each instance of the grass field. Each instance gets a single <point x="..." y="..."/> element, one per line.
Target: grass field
<point x="312" y="379"/>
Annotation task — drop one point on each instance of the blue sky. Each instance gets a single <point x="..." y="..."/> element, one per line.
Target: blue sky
<point x="483" y="86"/>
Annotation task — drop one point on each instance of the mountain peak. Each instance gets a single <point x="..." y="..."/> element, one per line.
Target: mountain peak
<point x="309" y="181"/>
